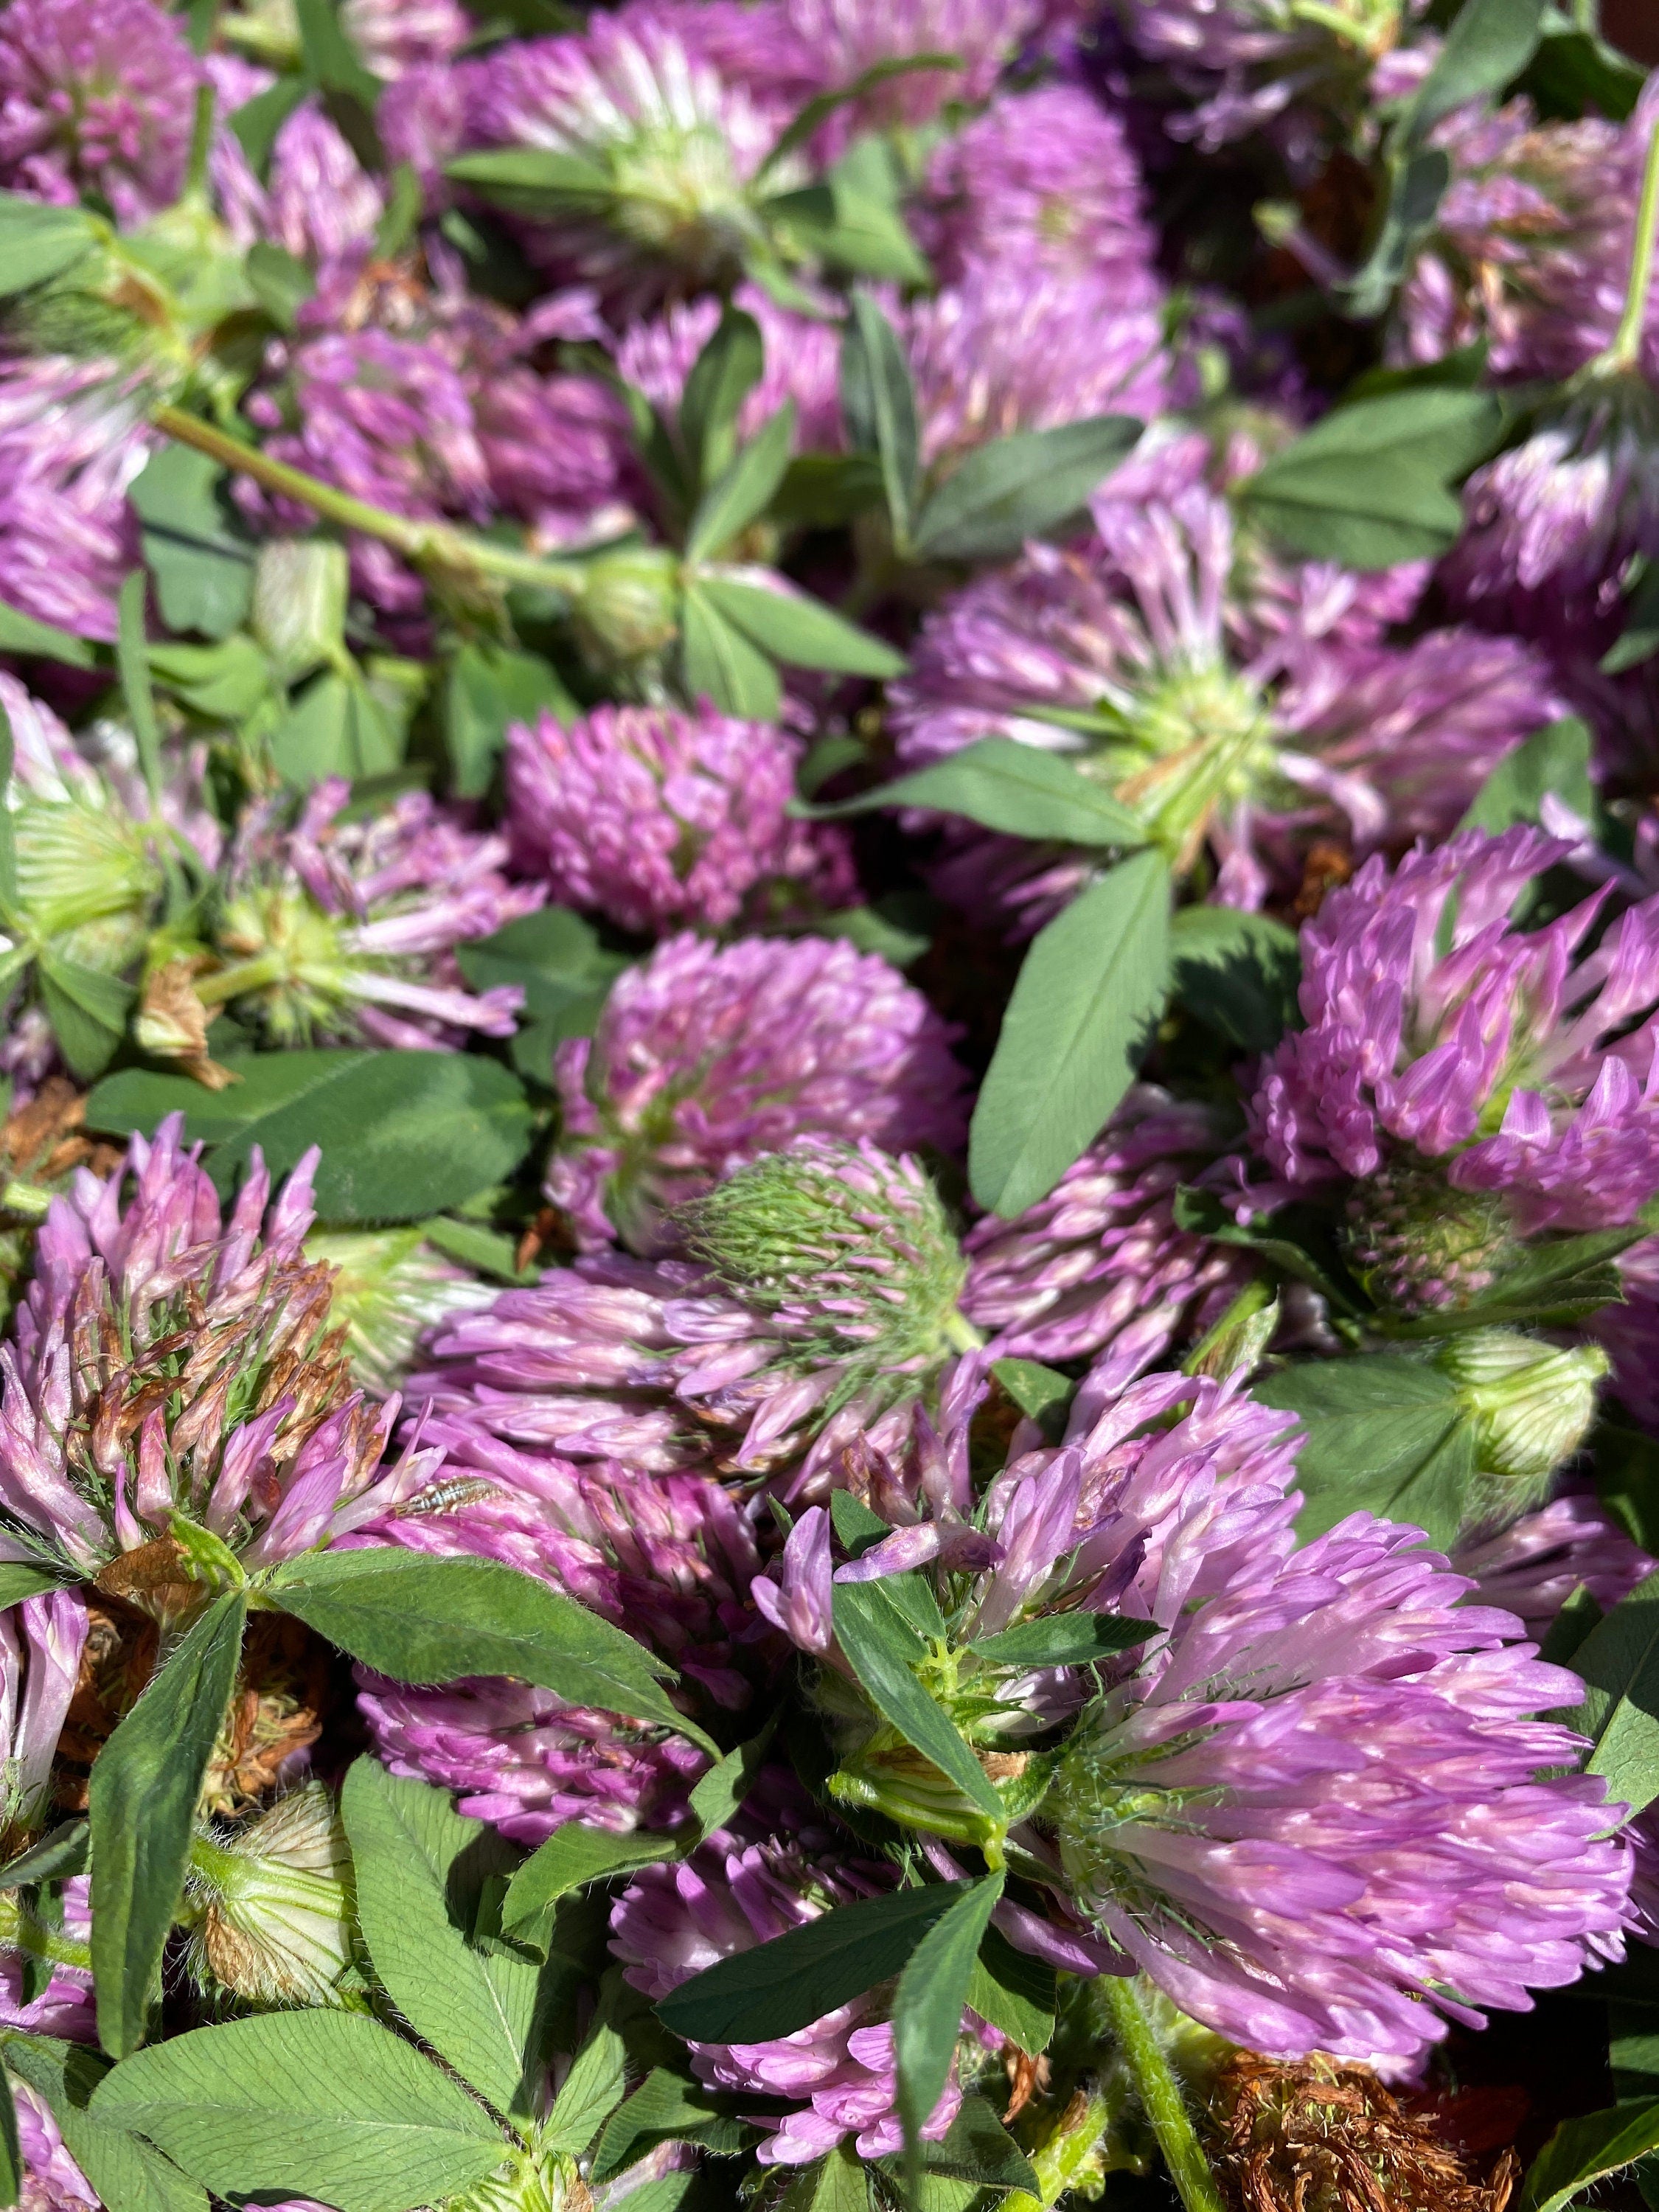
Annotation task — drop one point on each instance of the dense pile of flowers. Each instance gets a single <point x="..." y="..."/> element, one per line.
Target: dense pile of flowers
<point x="829" y="1149"/>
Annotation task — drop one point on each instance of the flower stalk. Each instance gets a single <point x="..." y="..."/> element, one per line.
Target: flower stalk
<point x="1160" y="2093"/>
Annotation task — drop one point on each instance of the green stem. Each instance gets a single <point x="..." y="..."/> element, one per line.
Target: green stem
<point x="201" y="143"/>
<point x="19" y="1932"/>
<point x="1160" y="2094"/>
<point x="423" y="545"/>
<point x="1627" y="339"/>
<point x="25" y="1198"/>
<point x="233" y="982"/>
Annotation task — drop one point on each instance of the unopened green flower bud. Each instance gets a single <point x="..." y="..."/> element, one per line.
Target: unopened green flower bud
<point x="390" y="1286"/>
<point x="1421" y="1245"/>
<point x="299" y="608"/>
<point x="273" y="1904"/>
<point x="848" y="1248"/>
<point x="627" y="606"/>
<point x="1531" y="1404"/>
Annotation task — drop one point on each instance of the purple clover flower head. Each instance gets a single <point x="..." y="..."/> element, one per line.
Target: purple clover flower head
<point x="322" y="202"/>
<point x="96" y="96"/>
<point x="1099" y="1265"/>
<point x="225" y="1401"/>
<point x="656" y="817"/>
<point x="52" y="2182"/>
<point x="802" y="361"/>
<point x="527" y="1764"/>
<point x="1471" y="1097"/>
<point x="817" y="1317"/>
<point x="838" y="2073"/>
<point x="349" y="930"/>
<point x="1310" y="1798"/>
<point x="677" y="144"/>
<point x="706" y="1055"/>
<point x="1531" y="246"/>
<point x="394" y="36"/>
<point x="1222" y="697"/>
<point x="847" y="37"/>
<point x="1533" y="1566"/>
<point x="72" y="439"/>
<point x="41" y="1644"/>
<point x="1016" y="346"/>
<point x="1044" y="179"/>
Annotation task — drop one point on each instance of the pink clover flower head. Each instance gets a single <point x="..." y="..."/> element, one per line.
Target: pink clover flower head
<point x="41" y="1641"/>
<point x="1310" y="1804"/>
<point x="321" y="200"/>
<point x="1628" y="1331"/>
<point x="336" y="929"/>
<point x="96" y="97"/>
<point x="847" y="37"/>
<point x="170" y="1360"/>
<point x="817" y="1316"/>
<point x="675" y="146"/>
<point x="706" y="1055"/>
<point x="1531" y="245"/>
<point x="1478" y="1094"/>
<point x="839" y="2072"/>
<point x="52" y="2182"/>
<point x="1044" y="178"/>
<point x="1015" y="345"/>
<point x="1533" y="1566"/>
<point x="1225" y="698"/>
<point x="656" y="817"/>
<point x="394" y="36"/>
<point x="72" y="438"/>
<point x="1099" y="1265"/>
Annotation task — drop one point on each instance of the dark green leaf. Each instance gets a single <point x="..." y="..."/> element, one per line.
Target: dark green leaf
<point x="1626" y="1463"/>
<point x="329" y="56"/>
<point x="336" y="727"/>
<point x="979" y="2150"/>
<point x="837" y="2183"/>
<point x="1588" y="2150"/>
<point x="127" y="2174"/>
<point x="878" y="403"/>
<point x="1079" y="1023"/>
<point x="1488" y="42"/>
<point x="488" y="1252"/>
<point x="23" y="634"/>
<point x="856" y="1527"/>
<point x="1014" y="1992"/>
<point x="880" y="1644"/>
<point x="1026" y="485"/>
<point x="1063" y="1639"/>
<point x="1575" y="72"/>
<point x="723" y="1789"/>
<point x="1018" y="789"/>
<point x="223" y="682"/>
<point x="785" y="1984"/>
<point x="487" y="687"/>
<point x="531" y="179"/>
<point x="591" y="2089"/>
<point x="719" y="663"/>
<point x="807" y="121"/>
<point x="1369" y="484"/>
<point x="874" y="929"/>
<point x="572" y="1856"/>
<point x="742" y="494"/>
<point x="822" y="492"/>
<point x="664" y="2105"/>
<point x="279" y="280"/>
<point x="424" y="1619"/>
<point x="257" y="121"/>
<point x="1553" y="759"/>
<point x="1640" y="638"/>
<point x="54" y="1858"/>
<point x="404" y="207"/>
<point x="1578" y="1616"/>
<point x="1618" y="1663"/>
<point x="38" y="241"/>
<point x="1238" y="972"/>
<point x="132" y="662"/>
<point x="1384" y="1435"/>
<point x="87" y="1012"/>
<point x="203" y="565"/>
<point x="803" y="632"/>
<point x="928" y="2004"/>
<point x="721" y="378"/>
<point x="404" y="1134"/>
<point x="1295" y="1241"/>
<point x="476" y="2008"/>
<point x="851" y="230"/>
<point x="1416" y="187"/>
<point x="18" y="1581"/>
<point x="325" y="2105"/>
<point x="145" y="1784"/>
<point x="1042" y="1394"/>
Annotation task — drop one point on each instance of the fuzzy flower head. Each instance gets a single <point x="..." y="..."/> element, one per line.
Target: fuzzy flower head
<point x="348" y="930"/>
<point x="656" y="817"/>
<point x="270" y="1904"/>
<point x="175" y="1382"/>
<point x="1308" y="1802"/>
<point x="668" y="1557"/>
<point x="96" y="97"/>
<point x="706" y="1056"/>
<point x="1219" y="696"/>
<point x="837" y="2075"/>
<point x="668" y="148"/>
<point x="389" y="1288"/>
<point x="1469" y="1084"/>
<point x="394" y="36"/>
<point x="816" y="1315"/>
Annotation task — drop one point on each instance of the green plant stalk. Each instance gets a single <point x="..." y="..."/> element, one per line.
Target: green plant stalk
<point x="1160" y="2094"/>
<point x="1627" y="346"/>
<point x="20" y="1931"/>
<point x="424" y="544"/>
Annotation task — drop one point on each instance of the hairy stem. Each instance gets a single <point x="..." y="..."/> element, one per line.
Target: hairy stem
<point x="1160" y="2093"/>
